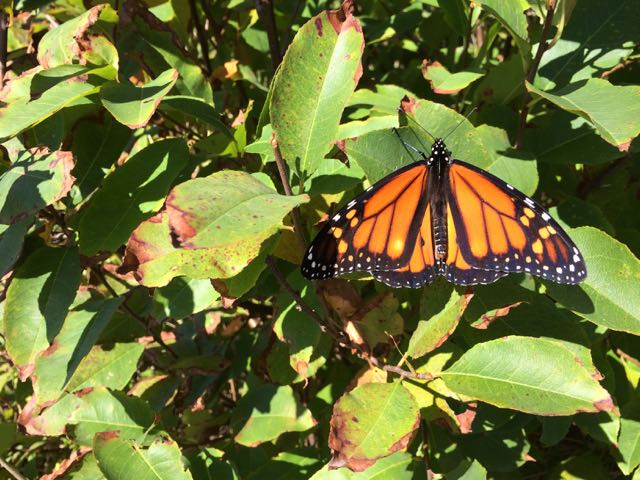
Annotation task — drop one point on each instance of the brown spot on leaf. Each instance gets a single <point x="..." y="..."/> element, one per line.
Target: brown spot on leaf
<point x="605" y="405"/>
<point x="624" y="147"/>
<point x="179" y="220"/>
<point x="426" y="73"/>
<point x="465" y="419"/>
<point x="105" y="436"/>
<point x="408" y="104"/>
<point x="62" y="467"/>
<point x="318" y="23"/>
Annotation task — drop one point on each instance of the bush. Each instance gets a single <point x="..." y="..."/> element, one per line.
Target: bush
<point x="166" y="163"/>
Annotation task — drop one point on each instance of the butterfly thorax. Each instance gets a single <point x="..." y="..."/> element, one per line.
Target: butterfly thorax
<point x="439" y="161"/>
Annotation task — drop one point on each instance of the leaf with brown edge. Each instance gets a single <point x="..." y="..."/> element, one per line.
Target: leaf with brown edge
<point x="36" y="179"/>
<point x="434" y="329"/>
<point x="66" y="43"/>
<point x="444" y="82"/>
<point x="313" y="84"/>
<point x="211" y="227"/>
<point x="488" y="318"/>
<point x="378" y="319"/>
<point x="371" y="422"/>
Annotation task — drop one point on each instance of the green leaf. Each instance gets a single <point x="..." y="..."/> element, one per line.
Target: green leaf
<point x="607" y="296"/>
<point x="106" y="411"/>
<point x="370" y="422"/>
<point x="378" y="319"/>
<point x="195" y="108"/>
<point x="398" y="466"/>
<point x="130" y="195"/>
<point x="36" y="179"/>
<point x="63" y="44"/>
<point x="299" y="331"/>
<point x="56" y="366"/>
<point x="20" y="115"/>
<point x="120" y="459"/>
<point x="317" y="76"/>
<point x="96" y="147"/>
<point x="333" y="176"/>
<point x="110" y="367"/>
<point x="516" y="167"/>
<point x="11" y="240"/>
<point x="384" y="100"/>
<point x="444" y="82"/>
<point x="182" y="297"/>
<point x="433" y="331"/>
<point x="629" y="439"/>
<point x="266" y="412"/>
<point x="468" y="471"/>
<point x="613" y="110"/>
<point x="219" y="223"/>
<point x="134" y="106"/>
<point x="88" y="470"/>
<point x="37" y="302"/>
<point x="562" y="138"/>
<point x="511" y="15"/>
<point x="591" y="44"/>
<point x="533" y="375"/>
<point x="357" y="128"/>
<point x="288" y="465"/>
<point x="380" y="152"/>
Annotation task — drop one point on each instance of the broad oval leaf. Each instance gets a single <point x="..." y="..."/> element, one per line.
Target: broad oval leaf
<point x="134" y="105"/>
<point x="370" y="422"/>
<point x="20" y="115"/>
<point x="317" y="76"/>
<point x="37" y="303"/>
<point x="380" y="152"/>
<point x="444" y="82"/>
<point x="609" y="295"/>
<point x="218" y="224"/>
<point x="433" y="330"/>
<point x="533" y="375"/>
<point x="63" y="44"/>
<point x="36" y="179"/>
<point x="398" y="466"/>
<point x="56" y="366"/>
<point x="104" y="411"/>
<point x="613" y="110"/>
<point x="266" y="412"/>
<point x="130" y="195"/>
<point x="121" y="459"/>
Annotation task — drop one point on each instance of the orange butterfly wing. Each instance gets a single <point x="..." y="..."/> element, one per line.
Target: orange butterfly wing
<point x="374" y="231"/>
<point x="420" y="268"/>
<point x="500" y="229"/>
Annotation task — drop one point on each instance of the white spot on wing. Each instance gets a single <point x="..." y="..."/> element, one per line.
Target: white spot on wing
<point x="545" y="216"/>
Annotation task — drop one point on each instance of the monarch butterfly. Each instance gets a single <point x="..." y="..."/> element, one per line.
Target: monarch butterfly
<point x="440" y="216"/>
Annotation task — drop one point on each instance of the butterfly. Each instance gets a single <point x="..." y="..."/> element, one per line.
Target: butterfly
<point x="440" y="216"/>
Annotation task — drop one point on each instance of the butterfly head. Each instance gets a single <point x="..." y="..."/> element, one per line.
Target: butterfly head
<point x="439" y="152"/>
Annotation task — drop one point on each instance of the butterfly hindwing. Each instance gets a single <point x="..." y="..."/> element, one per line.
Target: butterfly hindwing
<point x="420" y="268"/>
<point x="374" y="231"/>
<point x="498" y="228"/>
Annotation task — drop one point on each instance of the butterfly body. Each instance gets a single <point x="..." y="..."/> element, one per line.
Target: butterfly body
<point x="440" y="216"/>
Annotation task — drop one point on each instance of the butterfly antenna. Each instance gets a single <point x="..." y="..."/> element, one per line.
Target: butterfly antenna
<point x="417" y="124"/>
<point x="408" y="146"/>
<point x="466" y="117"/>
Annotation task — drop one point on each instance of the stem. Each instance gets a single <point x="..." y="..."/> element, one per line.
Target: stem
<point x="128" y="309"/>
<point x="284" y="179"/>
<point x="202" y="36"/>
<point x="4" y="32"/>
<point x="11" y="471"/>
<point x="271" y="263"/>
<point x="542" y="47"/>
<point x="266" y="15"/>
<point x="407" y="374"/>
<point x="599" y="179"/>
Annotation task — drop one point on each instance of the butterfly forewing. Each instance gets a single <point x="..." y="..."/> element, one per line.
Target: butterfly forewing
<point x="375" y="231"/>
<point x="498" y="228"/>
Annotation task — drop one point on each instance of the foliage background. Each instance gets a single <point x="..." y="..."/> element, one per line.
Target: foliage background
<point x="139" y="162"/>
